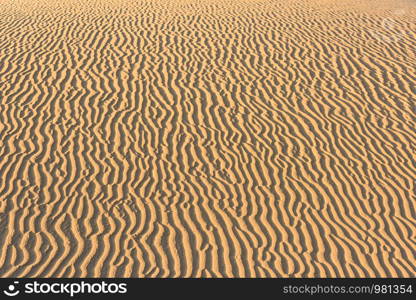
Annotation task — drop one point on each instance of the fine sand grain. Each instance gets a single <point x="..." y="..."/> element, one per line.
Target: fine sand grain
<point x="207" y="138"/>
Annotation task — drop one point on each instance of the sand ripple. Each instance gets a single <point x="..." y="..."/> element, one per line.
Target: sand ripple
<point x="207" y="138"/>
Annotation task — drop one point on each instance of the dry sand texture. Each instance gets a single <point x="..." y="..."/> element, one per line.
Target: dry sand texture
<point x="207" y="138"/>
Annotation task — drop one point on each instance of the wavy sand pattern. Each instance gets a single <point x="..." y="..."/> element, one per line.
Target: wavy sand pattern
<point x="207" y="138"/>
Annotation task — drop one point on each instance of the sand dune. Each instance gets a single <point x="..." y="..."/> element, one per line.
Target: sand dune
<point x="207" y="138"/>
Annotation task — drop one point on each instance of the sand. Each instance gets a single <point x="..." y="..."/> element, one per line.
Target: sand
<point x="207" y="138"/>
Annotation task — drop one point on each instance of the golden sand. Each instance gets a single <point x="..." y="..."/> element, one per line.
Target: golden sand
<point x="207" y="138"/>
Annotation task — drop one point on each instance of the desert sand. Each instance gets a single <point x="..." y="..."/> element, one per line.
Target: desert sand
<point x="207" y="138"/>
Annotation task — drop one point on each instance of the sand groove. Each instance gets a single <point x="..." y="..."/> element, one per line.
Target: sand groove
<point x="207" y="138"/>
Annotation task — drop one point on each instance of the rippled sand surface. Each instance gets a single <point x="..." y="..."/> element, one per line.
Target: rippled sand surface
<point x="207" y="138"/>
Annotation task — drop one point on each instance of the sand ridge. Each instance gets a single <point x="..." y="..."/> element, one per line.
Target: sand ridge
<point x="207" y="138"/>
